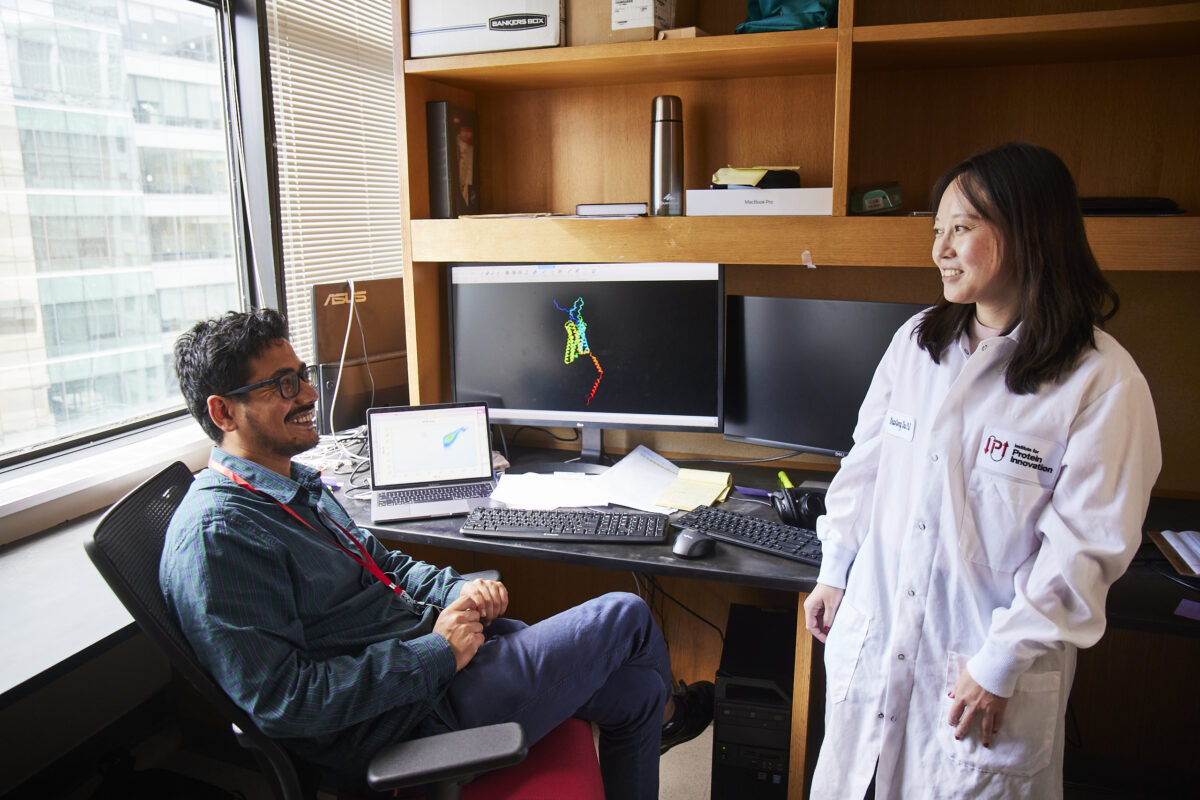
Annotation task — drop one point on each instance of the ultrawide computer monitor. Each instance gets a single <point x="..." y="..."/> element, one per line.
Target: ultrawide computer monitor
<point x="590" y="346"/>
<point x="798" y="369"/>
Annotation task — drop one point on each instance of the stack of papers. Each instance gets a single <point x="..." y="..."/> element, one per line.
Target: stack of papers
<point x="696" y="487"/>
<point x="635" y="482"/>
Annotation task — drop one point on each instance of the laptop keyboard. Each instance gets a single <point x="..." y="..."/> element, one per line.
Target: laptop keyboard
<point x="432" y="494"/>
<point x="567" y="526"/>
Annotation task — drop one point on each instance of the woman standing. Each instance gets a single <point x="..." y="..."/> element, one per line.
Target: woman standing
<point x="1003" y="461"/>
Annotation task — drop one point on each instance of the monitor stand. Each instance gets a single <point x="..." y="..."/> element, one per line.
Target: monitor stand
<point x="590" y="459"/>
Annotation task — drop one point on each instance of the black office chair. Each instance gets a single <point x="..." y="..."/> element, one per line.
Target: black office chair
<point x="126" y="549"/>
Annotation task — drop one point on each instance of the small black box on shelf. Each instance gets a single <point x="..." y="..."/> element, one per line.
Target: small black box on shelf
<point x="753" y="709"/>
<point x="453" y="160"/>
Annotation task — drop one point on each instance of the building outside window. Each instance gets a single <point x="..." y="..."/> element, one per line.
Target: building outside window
<point x="116" y="211"/>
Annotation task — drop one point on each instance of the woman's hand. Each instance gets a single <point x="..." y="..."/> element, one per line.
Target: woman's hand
<point x="820" y="608"/>
<point x="970" y="701"/>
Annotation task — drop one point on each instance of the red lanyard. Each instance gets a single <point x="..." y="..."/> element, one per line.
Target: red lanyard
<point x="365" y="560"/>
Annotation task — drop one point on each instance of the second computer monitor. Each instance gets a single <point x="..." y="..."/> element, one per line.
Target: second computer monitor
<point x="798" y="368"/>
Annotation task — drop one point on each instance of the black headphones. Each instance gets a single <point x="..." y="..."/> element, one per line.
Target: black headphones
<point x="799" y="507"/>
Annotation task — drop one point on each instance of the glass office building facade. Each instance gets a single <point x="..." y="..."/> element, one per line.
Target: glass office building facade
<point x="116" y="225"/>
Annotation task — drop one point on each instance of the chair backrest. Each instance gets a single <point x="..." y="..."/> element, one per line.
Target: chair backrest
<point x="126" y="548"/>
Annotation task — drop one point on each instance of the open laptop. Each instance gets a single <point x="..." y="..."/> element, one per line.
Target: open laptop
<point x="429" y="461"/>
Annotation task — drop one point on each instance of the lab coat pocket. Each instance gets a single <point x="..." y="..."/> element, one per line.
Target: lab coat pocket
<point x="1001" y="532"/>
<point x="843" y="648"/>
<point x="1025" y="742"/>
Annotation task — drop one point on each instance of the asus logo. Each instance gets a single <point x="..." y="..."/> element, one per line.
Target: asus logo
<point x="343" y="298"/>
<point x="517" y="22"/>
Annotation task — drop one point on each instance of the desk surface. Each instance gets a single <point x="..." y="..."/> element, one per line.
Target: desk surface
<point x="728" y="563"/>
<point x="1142" y="599"/>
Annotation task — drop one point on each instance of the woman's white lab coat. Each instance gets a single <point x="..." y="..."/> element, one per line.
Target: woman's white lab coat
<point x="984" y="528"/>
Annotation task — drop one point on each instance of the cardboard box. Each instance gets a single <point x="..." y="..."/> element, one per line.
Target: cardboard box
<point x="608" y="21"/>
<point x="758" y="202"/>
<point x="440" y="28"/>
<point x="690" y="32"/>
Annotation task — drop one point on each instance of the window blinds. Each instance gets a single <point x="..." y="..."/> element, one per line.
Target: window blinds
<point x="337" y="158"/>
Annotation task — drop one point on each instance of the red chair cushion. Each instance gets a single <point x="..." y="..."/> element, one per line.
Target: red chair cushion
<point x="561" y="765"/>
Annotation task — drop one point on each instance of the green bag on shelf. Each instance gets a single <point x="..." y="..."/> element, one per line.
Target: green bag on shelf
<point x="788" y="15"/>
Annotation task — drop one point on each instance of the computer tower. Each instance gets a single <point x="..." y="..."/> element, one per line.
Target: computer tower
<point x="752" y="717"/>
<point x="374" y="369"/>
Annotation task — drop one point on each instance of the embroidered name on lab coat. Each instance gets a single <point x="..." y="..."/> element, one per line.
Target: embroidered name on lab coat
<point x="1020" y="456"/>
<point x="901" y="425"/>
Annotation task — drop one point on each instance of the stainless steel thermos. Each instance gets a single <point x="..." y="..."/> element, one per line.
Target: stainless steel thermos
<point x="666" y="156"/>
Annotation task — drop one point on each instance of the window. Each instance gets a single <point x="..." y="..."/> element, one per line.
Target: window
<point x="333" y="89"/>
<point x="119" y="210"/>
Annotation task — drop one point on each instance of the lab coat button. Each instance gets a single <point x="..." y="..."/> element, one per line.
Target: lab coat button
<point x="920" y="526"/>
<point x="880" y="715"/>
<point x="901" y="656"/>
<point x="892" y="718"/>
<point x="934" y="458"/>
<point x="911" y="593"/>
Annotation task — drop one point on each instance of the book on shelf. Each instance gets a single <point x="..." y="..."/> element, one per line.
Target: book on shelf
<point x="453" y="160"/>
<point x="610" y="209"/>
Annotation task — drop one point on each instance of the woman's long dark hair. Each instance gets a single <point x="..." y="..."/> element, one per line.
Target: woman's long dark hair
<point x="1028" y="194"/>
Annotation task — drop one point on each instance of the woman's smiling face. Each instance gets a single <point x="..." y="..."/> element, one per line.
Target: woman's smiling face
<point x="968" y="251"/>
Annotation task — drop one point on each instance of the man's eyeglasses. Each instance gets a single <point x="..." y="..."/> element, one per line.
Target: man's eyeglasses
<point x="288" y="383"/>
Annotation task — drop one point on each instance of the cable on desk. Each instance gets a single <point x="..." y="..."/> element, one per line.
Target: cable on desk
<point x="547" y="432"/>
<point x="364" y="485"/>
<point x="737" y="461"/>
<point x="657" y="588"/>
<point x="1182" y="581"/>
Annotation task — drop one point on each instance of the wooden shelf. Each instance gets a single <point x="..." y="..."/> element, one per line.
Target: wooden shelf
<point x="1090" y="36"/>
<point x="705" y="58"/>
<point x="1118" y="242"/>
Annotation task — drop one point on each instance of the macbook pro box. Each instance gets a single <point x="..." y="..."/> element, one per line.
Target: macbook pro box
<point x="429" y="461"/>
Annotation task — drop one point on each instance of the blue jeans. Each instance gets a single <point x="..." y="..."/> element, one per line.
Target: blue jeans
<point x="604" y="661"/>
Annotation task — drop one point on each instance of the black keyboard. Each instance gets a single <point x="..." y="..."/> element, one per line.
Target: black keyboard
<point x="567" y="526"/>
<point x="755" y="533"/>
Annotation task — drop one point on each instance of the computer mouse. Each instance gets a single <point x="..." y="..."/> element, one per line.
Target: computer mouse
<point x="691" y="543"/>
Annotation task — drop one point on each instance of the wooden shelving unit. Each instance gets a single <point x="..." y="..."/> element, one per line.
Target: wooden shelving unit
<point x="1047" y="38"/>
<point x="891" y="94"/>
<point x="830" y="241"/>
<point x="705" y="58"/>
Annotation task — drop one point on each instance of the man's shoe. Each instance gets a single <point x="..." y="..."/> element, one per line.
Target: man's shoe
<point x="693" y="712"/>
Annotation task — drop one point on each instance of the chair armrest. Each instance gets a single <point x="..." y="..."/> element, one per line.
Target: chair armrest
<point x="456" y="756"/>
<point x="483" y="575"/>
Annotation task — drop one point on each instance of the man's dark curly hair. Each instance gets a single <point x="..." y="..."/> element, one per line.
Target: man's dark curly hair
<point x="214" y="356"/>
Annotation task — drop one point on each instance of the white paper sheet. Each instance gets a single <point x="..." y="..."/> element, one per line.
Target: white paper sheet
<point x="639" y="478"/>
<point x="545" y="492"/>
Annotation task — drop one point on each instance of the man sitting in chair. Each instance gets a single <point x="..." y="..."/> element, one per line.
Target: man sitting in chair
<point x="336" y="645"/>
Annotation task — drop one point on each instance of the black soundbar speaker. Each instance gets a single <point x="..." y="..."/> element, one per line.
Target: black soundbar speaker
<point x="366" y="323"/>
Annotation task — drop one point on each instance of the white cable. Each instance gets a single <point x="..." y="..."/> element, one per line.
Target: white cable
<point x="350" y="315"/>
